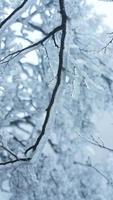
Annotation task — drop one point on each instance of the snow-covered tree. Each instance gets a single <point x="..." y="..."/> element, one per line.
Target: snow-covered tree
<point x="55" y="81"/>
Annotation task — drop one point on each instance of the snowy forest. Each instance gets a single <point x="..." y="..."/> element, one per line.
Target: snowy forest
<point x="56" y="101"/>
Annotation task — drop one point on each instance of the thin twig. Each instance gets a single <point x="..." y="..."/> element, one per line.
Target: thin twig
<point x="92" y="167"/>
<point x="18" y="52"/>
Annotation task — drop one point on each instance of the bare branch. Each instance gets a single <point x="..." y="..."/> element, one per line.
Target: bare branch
<point x="93" y="167"/>
<point x="38" y="28"/>
<point x="96" y="143"/>
<point x="13" y="13"/>
<point x="62" y="28"/>
<point x="9" y="151"/>
<point x="60" y="68"/>
<point x="107" y="45"/>
<point x="56" y="45"/>
<point x="32" y="46"/>
<point x="15" y="161"/>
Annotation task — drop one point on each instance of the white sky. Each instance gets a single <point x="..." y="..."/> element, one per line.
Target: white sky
<point x="103" y="8"/>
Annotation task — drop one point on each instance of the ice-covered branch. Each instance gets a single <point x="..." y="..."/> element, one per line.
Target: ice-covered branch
<point x="94" y="168"/>
<point x="97" y="144"/>
<point x="59" y="72"/>
<point x="30" y="47"/>
<point x="13" y="13"/>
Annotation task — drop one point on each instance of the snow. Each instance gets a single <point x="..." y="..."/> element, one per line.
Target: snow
<point x="16" y="27"/>
<point x="37" y="18"/>
<point x="9" y="79"/>
<point x="23" y="76"/>
<point x="31" y="58"/>
<point x="71" y="112"/>
<point x="103" y="121"/>
<point x="5" y="196"/>
<point x="105" y="9"/>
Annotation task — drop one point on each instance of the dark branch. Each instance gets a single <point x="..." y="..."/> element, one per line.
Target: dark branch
<point x="60" y="68"/>
<point x="62" y="27"/>
<point x="38" y="28"/>
<point x="14" y="161"/>
<point x="107" y="45"/>
<point x="13" y="13"/>
<point x="56" y="45"/>
<point x="9" y="151"/>
<point x="16" y="53"/>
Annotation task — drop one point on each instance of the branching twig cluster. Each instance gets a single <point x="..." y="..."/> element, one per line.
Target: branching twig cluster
<point x="11" y="56"/>
<point x="94" y="168"/>
<point x="96" y="143"/>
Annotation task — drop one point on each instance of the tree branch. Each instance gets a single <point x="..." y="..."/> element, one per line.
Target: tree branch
<point x="93" y="167"/>
<point x="14" y="161"/>
<point x="60" y="68"/>
<point x="16" y="53"/>
<point x="96" y="143"/>
<point x="9" y="151"/>
<point x="62" y="27"/>
<point x="38" y="28"/>
<point x="13" y="13"/>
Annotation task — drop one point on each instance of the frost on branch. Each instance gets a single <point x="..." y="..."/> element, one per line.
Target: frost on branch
<point x="54" y="83"/>
<point x="27" y="80"/>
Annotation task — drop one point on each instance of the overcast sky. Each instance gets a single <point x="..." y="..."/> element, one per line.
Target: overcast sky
<point x="103" y="8"/>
